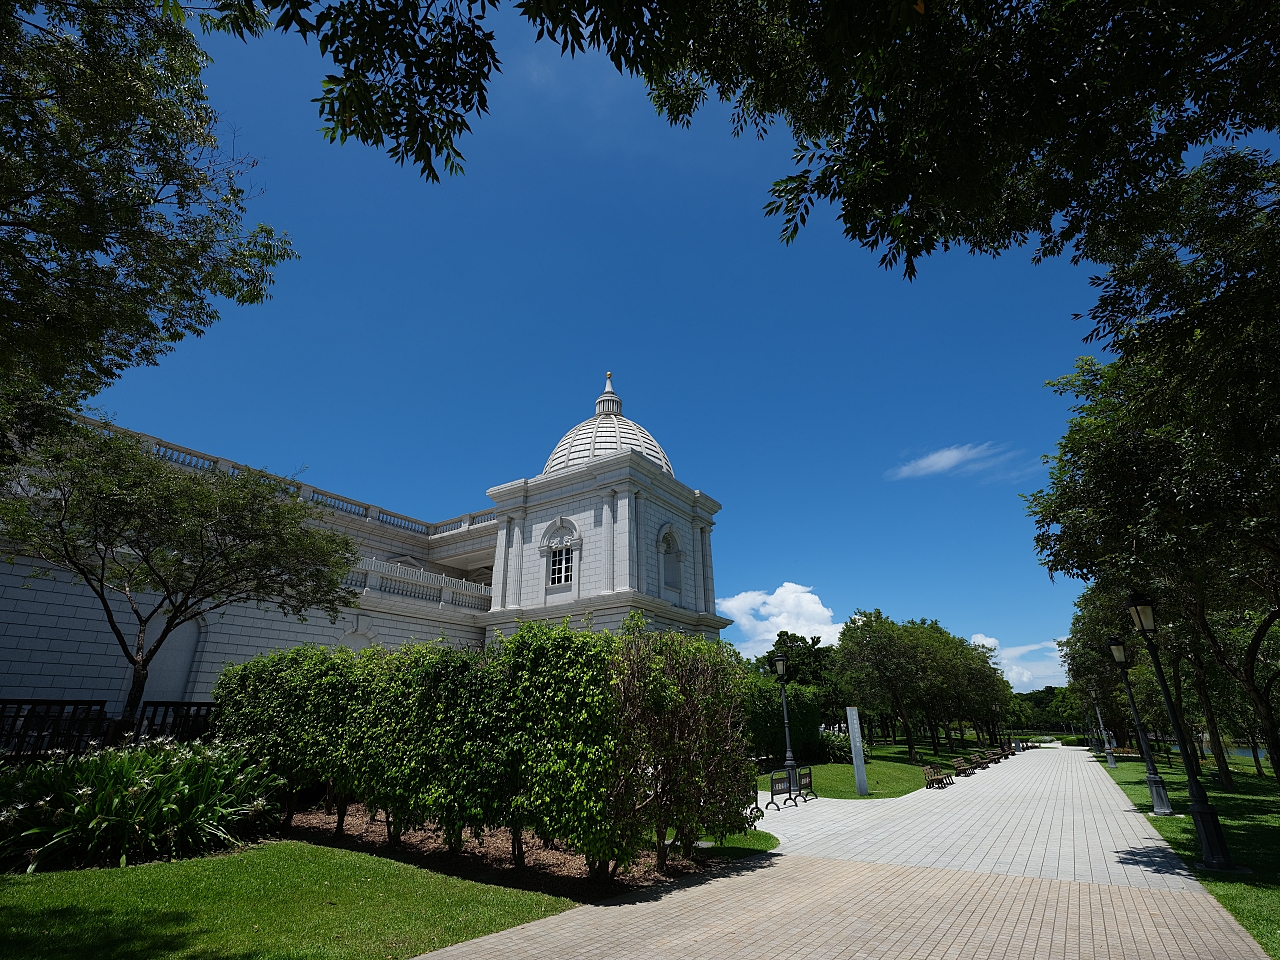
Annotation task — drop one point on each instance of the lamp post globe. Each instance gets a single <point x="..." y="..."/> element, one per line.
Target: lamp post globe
<point x="1213" y="843"/>
<point x="1155" y="783"/>
<point x="780" y="669"/>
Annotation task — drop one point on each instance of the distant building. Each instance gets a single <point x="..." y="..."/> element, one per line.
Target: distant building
<point x="605" y="529"/>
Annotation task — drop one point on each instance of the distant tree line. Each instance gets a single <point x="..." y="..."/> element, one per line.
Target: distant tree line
<point x="911" y="680"/>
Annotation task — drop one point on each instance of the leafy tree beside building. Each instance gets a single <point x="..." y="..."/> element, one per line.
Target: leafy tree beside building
<point x="160" y="546"/>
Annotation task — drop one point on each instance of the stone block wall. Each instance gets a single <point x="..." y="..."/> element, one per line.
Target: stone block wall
<point x="55" y="642"/>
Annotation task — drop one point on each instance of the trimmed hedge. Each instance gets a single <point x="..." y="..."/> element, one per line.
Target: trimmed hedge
<point x="117" y="806"/>
<point x="594" y="739"/>
<point x="804" y="710"/>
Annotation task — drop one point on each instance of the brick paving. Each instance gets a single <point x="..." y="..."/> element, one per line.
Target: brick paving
<point x="1041" y="857"/>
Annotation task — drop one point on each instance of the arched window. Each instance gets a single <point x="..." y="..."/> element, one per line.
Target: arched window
<point x="670" y="562"/>
<point x="561" y="566"/>
<point x="559" y="543"/>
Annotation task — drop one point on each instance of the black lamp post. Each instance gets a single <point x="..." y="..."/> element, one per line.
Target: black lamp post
<point x="780" y="667"/>
<point x="1155" y="783"/>
<point x="1213" y="843"/>
<point x="1102" y="730"/>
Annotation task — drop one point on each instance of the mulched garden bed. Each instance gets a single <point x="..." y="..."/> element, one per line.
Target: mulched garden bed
<point x="553" y="871"/>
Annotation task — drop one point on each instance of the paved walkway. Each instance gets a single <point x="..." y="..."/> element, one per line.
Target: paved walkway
<point x="1039" y="858"/>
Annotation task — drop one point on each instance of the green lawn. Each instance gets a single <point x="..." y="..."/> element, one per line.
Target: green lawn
<point x="1250" y="816"/>
<point x="889" y="774"/>
<point x="741" y="845"/>
<point x="270" y="902"/>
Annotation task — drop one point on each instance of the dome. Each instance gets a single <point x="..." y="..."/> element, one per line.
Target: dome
<point x="606" y="433"/>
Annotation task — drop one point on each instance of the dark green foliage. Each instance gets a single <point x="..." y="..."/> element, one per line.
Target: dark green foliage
<point x="683" y="740"/>
<point x="120" y="216"/>
<point x="588" y="738"/>
<point x="125" y="805"/>
<point x="764" y="720"/>
<point x="921" y="675"/>
<point x="812" y="665"/>
<point x="168" y="544"/>
<point x="292" y="710"/>
<point x="1045" y="709"/>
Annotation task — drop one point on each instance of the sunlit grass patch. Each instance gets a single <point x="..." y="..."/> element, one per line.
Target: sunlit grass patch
<point x="278" y="901"/>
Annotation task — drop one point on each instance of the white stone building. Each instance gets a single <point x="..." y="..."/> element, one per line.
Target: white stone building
<point x="605" y="529"/>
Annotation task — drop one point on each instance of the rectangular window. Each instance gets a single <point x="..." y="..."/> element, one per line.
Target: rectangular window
<point x="561" y="566"/>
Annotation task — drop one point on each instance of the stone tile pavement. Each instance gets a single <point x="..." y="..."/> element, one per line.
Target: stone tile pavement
<point x="1050" y="813"/>
<point x="1041" y="857"/>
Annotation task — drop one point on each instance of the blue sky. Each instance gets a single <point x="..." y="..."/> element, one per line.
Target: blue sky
<point x="867" y="436"/>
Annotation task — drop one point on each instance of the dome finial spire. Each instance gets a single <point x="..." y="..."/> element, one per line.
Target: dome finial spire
<point x="608" y="402"/>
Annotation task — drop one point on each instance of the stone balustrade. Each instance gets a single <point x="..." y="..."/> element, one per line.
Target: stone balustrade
<point x="398" y="580"/>
<point x="195" y="460"/>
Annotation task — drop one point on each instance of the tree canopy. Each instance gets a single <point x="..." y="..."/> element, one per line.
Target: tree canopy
<point x="121" y="215"/>
<point x="160" y="546"/>
<point x="984" y="124"/>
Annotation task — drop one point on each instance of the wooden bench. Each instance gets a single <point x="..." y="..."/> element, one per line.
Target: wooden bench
<point x="993" y="756"/>
<point x="936" y="777"/>
<point x="978" y="761"/>
<point x="963" y="768"/>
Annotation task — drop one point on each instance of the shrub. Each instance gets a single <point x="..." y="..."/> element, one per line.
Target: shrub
<point x="683" y="736"/>
<point x="134" y="803"/>
<point x="764" y="720"/>
<point x="590" y="738"/>
<point x="836" y="748"/>
<point x="289" y="709"/>
<point x="563" y="723"/>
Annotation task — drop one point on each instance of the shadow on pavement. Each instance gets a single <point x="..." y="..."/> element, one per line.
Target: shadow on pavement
<point x="735" y="868"/>
<point x="1153" y="860"/>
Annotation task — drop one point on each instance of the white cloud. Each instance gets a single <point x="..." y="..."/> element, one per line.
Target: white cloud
<point x="995" y="461"/>
<point x="962" y="458"/>
<point x="761" y="616"/>
<point x="983" y="640"/>
<point x="1018" y="675"/>
<point x="1028" y="666"/>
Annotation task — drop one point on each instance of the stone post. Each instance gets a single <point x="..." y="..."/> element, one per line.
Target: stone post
<point x="500" y="565"/>
<point x="699" y="580"/>
<point x="637" y="543"/>
<point x="610" y="497"/>
<point x="517" y="561"/>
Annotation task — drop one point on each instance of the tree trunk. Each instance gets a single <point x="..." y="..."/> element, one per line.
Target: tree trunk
<point x="946" y="730"/>
<point x="933" y="737"/>
<point x="660" y="848"/>
<point x="130" y="715"/>
<point x="1192" y="760"/>
<point x="1253" y="748"/>
<point x="517" y="843"/>
<point x="342" y="815"/>
<point x="909" y="734"/>
<point x="1271" y="736"/>
<point x="1245" y="675"/>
